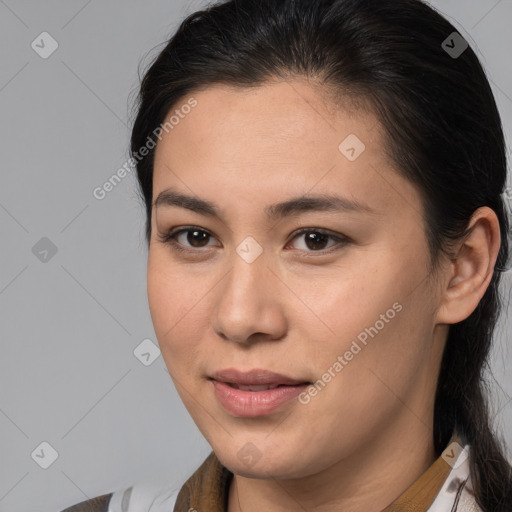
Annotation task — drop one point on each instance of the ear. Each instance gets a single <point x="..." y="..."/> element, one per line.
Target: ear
<point x="471" y="269"/>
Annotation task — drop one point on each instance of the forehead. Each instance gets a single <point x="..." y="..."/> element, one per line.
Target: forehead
<point x="277" y="121"/>
<point x="280" y="136"/>
<point x="293" y="110"/>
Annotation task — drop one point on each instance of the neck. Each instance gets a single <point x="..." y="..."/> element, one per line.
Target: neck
<point x="366" y="481"/>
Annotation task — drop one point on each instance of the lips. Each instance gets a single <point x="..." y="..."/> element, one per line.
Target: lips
<point x="262" y="387"/>
<point x="256" y="379"/>
<point x="254" y="393"/>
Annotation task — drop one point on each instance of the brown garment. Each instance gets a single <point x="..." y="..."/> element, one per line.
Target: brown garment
<point x="99" y="504"/>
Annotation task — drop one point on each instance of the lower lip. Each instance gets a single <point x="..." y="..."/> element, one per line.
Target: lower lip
<point x="250" y="404"/>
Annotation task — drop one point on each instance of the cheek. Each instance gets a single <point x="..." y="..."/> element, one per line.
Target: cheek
<point x="376" y="316"/>
<point x="175" y="305"/>
<point x="382" y="344"/>
<point x="365" y="370"/>
<point x="341" y="302"/>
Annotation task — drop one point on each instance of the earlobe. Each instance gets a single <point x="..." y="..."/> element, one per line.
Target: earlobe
<point x="471" y="270"/>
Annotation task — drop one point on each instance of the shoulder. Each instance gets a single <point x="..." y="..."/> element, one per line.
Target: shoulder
<point x="142" y="497"/>
<point x="98" y="504"/>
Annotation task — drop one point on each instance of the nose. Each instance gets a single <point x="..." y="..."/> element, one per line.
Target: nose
<point x="249" y="305"/>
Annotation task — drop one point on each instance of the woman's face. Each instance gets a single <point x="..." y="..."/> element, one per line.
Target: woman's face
<point x="347" y="306"/>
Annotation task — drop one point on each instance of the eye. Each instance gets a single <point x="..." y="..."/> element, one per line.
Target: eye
<point x="193" y="237"/>
<point x="316" y="240"/>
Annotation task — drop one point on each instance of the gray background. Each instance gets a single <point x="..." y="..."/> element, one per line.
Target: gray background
<point x="70" y="323"/>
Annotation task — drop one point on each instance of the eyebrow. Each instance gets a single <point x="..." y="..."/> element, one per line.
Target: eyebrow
<point x="297" y="205"/>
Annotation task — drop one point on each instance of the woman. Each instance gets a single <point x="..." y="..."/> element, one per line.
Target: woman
<point x="323" y="185"/>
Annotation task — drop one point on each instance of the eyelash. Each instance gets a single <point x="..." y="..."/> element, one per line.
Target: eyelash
<point x="169" y="238"/>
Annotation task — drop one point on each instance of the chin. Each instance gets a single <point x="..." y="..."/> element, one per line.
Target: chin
<point x="262" y="460"/>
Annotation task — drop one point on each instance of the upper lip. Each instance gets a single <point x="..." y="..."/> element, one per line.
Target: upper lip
<point x="256" y="377"/>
